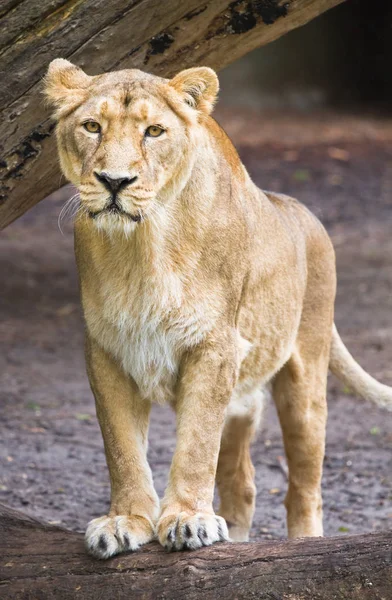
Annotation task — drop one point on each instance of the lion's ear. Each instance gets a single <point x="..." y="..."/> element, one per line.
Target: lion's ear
<point x="65" y="85"/>
<point x="198" y="86"/>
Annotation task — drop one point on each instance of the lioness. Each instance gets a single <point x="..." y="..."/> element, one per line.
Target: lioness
<point x="198" y="289"/>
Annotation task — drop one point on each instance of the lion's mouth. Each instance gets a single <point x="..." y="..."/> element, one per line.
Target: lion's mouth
<point x="115" y="209"/>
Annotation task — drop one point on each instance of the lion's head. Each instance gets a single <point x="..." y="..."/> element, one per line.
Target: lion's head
<point x="125" y="138"/>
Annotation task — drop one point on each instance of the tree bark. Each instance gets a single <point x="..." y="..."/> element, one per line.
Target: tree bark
<point x="159" y="36"/>
<point x="47" y="562"/>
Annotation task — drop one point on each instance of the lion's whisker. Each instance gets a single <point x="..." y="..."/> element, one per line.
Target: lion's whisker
<point x="69" y="210"/>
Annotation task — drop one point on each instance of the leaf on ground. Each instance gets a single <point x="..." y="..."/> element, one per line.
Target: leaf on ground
<point x="346" y="390"/>
<point x="66" y="310"/>
<point x="335" y="179"/>
<point x="343" y="529"/>
<point x="339" y="154"/>
<point x="35" y="429"/>
<point x="375" y="430"/>
<point x="302" y="175"/>
<point x="82" y="417"/>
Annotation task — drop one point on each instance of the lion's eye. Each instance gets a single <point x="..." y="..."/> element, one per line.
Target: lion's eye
<point x="92" y="126"/>
<point x="154" y="131"/>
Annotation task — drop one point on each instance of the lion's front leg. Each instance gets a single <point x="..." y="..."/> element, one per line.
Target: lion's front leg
<point x="123" y="417"/>
<point x="187" y="519"/>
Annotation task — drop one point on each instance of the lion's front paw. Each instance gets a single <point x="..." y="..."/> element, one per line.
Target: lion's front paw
<point x="107" y="536"/>
<point x="189" y="532"/>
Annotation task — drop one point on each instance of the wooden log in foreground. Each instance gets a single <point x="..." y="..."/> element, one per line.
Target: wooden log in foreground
<point x="160" y="36"/>
<point x="39" y="561"/>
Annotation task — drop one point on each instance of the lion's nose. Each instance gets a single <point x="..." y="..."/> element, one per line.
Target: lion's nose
<point x="114" y="184"/>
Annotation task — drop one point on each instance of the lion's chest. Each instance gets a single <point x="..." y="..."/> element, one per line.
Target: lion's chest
<point x="147" y="328"/>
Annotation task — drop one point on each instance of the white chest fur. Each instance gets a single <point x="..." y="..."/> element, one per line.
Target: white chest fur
<point x="147" y="323"/>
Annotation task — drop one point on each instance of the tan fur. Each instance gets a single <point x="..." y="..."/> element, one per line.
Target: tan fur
<point x="217" y="290"/>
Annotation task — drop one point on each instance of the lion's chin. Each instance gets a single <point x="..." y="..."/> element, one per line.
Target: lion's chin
<point x="116" y="222"/>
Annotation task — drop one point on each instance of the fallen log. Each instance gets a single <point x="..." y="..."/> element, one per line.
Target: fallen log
<point x="41" y="561"/>
<point x="162" y="37"/>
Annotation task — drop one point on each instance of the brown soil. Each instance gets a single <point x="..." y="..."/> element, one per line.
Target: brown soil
<point x="51" y="453"/>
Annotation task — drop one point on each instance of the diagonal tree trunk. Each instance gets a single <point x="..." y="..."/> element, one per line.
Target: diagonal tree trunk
<point x="160" y="36"/>
<point x="39" y="561"/>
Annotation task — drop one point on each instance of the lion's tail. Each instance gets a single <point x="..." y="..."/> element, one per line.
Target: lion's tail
<point x="343" y="365"/>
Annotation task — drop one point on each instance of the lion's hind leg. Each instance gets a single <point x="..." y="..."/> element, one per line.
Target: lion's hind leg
<point x="299" y="392"/>
<point x="299" y="388"/>
<point x="235" y="472"/>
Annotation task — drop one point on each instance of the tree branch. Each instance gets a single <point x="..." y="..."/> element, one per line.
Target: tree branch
<point x="47" y="562"/>
<point x="162" y="37"/>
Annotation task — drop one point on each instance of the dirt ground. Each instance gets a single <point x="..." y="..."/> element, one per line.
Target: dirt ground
<point x="51" y="452"/>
